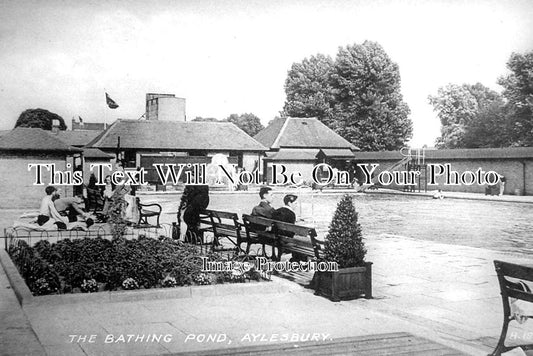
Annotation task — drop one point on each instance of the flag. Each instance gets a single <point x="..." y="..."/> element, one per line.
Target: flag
<point x="81" y="120"/>
<point x="110" y="102"/>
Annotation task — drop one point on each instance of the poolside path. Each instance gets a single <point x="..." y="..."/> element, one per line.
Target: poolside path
<point x="445" y="293"/>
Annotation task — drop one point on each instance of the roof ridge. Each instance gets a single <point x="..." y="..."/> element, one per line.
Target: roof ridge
<point x="102" y="135"/>
<point x="280" y="133"/>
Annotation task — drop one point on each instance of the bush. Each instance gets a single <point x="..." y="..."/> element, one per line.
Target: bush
<point x="84" y="264"/>
<point x="129" y="284"/>
<point x="89" y="286"/>
<point x="168" y="282"/>
<point x="344" y="242"/>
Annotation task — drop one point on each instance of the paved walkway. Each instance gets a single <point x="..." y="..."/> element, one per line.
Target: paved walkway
<point x="16" y="334"/>
<point x="445" y="293"/>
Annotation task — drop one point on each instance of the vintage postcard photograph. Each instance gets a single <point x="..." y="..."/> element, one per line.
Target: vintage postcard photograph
<point x="201" y="177"/>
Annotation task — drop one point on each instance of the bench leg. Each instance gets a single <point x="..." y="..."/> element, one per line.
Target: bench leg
<point x="500" y="347"/>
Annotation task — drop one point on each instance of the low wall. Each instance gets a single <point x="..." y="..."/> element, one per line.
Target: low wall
<point x="518" y="174"/>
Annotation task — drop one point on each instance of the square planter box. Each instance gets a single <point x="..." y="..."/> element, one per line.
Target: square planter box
<point x="347" y="283"/>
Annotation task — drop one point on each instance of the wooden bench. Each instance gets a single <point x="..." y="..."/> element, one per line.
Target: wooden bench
<point x="145" y="213"/>
<point x="258" y="230"/>
<point x="299" y="240"/>
<point x="225" y="225"/>
<point x="512" y="289"/>
<point x="284" y="237"/>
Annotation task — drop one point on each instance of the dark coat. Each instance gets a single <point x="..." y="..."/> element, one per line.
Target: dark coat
<point x="264" y="209"/>
<point x="284" y="214"/>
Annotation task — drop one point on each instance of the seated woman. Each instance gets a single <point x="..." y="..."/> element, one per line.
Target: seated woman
<point x="194" y="200"/>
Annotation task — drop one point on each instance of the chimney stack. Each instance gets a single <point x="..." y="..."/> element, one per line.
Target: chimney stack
<point x="55" y="125"/>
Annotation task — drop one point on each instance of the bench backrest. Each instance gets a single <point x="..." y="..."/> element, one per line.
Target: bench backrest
<point x="287" y="229"/>
<point x="513" y="289"/>
<point x="251" y="221"/>
<point x="222" y="215"/>
<point x="223" y="220"/>
<point x="284" y="230"/>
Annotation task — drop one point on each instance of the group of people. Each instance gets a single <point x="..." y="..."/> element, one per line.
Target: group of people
<point x="59" y="211"/>
<point x="286" y="213"/>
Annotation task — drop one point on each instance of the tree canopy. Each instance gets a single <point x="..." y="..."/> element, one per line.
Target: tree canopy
<point x="248" y="122"/>
<point x="357" y="95"/>
<point x="474" y="116"/>
<point x="518" y="90"/>
<point x="309" y="93"/>
<point x="39" y="118"/>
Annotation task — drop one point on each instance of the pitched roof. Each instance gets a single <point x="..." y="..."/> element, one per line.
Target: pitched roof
<point x="268" y="135"/>
<point x="176" y="135"/>
<point x="337" y="152"/>
<point x="296" y="132"/>
<point x="32" y="139"/>
<point x="458" y="153"/>
<point x="95" y="153"/>
<point x="78" y="137"/>
<point x="293" y="154"/>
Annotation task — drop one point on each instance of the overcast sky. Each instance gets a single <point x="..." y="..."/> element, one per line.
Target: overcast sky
<point x="229" y="57"/>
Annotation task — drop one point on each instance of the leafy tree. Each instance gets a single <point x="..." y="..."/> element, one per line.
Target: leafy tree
<point x="344" y="242"/>
<point x="39" y="118"/>
<point x="308" y="90"/>
<point x="489" y="128"/>
<point x="249" y="123"/>
<point x="367" y="98"/>
<point x="456" y="107"/>
<point x="518" y="90"/>
<point x="471" y="116"/>
<point x="357" y="95"/>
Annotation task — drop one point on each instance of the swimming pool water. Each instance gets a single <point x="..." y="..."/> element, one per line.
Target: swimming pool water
<point x="493" y="225"/>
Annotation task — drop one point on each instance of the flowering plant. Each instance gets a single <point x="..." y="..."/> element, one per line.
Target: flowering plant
<point x="169" y="282"/>
<point x="89" y="286"/>
<point x="201" y="279"/>
<point x="41" y="286"/>
<point x="129" y="284"/>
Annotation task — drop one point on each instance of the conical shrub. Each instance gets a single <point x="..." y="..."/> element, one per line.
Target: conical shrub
<point x="344" y="242"/>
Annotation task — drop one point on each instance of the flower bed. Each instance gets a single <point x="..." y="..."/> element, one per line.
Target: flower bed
<point x="92" y="265"/>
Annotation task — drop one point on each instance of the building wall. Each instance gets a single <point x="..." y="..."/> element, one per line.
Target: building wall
<point x="518" y="173"/>
<point x="166" y="108"/>
<point x="17" y="189"/>
<point x="250" y="160"/>
<point x="304" y="167"/>
<point x="87" y="167"/>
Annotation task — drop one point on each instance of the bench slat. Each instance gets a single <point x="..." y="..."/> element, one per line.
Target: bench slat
<point x="514" y="270"/>
<point x="518" y="294"/>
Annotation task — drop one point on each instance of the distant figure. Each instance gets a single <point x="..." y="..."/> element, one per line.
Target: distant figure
<point x="48" y="212"/>
<point x="502" y="184"/>
<point x="264" y="208"/>
<point x="194" y="200"/>
<point x="438" y="195"/>
<point x="78" y="189"/>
